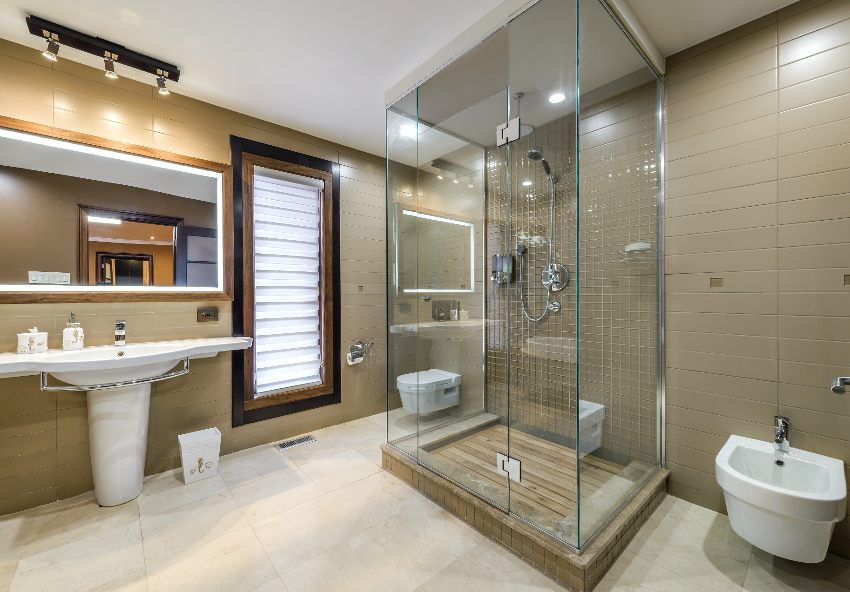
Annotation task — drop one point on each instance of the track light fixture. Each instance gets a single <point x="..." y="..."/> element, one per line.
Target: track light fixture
<point x="111" y="52"/>
<point x="160" y="82"/>
<point x="109" y="68"/>
<point x="52" y="51"/>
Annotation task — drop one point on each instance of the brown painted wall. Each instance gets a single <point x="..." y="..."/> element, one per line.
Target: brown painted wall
<point x="44" y="438"/>
<point x="46" y="204"/>
<point x="757" y="169"/>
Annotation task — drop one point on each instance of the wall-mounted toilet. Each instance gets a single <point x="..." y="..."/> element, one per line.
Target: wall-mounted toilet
<point x="428" y="390"/>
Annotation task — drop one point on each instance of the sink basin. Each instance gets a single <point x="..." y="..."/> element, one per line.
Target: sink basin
<point x="786" y="503"/>
<point x="118" y="412"/>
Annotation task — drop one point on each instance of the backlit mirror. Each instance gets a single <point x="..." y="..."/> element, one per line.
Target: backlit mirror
<point x="82" y="218"/>
<point x="450" y="244"/>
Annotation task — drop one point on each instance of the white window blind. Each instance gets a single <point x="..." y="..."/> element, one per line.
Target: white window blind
<point x="287" y="227"/>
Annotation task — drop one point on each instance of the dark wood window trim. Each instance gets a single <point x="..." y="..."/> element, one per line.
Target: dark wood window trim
<point x="246" y="408"/>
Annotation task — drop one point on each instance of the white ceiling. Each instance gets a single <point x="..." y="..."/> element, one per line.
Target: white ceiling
<point x="675" y="25"/>
<point x="319" y="66"/>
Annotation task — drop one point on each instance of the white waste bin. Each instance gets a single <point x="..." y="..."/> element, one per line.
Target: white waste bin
<point x="199" y="452"/>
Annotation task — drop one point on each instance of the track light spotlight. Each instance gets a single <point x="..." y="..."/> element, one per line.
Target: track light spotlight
<point x="160" y="82"/>
<point x="52" y="51"/>
<point x="109" y="68"/>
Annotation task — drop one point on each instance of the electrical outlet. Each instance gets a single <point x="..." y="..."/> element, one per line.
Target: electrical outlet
<point x="205" y="315"/>
<point x="49" y="277"/>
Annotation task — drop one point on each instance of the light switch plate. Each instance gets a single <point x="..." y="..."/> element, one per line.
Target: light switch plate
<point x="49" y="277"/>
<point x="207" y="314"/>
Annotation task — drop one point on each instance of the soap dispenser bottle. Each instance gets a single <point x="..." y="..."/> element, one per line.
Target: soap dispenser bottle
<point x="72" y="336"/>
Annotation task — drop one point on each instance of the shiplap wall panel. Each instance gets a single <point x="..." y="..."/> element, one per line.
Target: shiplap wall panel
<point x="758" y="142"/>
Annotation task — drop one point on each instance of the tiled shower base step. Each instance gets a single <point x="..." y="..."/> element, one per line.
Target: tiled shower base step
<point x="577" y="572"/>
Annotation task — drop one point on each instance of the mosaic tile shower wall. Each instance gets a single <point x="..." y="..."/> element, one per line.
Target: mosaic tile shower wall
<point x="617" y="359"/>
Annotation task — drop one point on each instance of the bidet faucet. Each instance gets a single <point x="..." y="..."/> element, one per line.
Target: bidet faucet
<point x="781" y="425"/>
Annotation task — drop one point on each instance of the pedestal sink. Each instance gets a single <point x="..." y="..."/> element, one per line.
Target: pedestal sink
<point x="117" y="381"/>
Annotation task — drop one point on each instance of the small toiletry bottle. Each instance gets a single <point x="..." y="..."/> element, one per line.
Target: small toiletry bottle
<point x="453" y="313"/>
<point x="72" y="335"/>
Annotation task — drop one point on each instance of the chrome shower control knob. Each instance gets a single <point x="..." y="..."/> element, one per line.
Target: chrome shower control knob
<point x="554" y="306"/>
<point x="555" y="277"/>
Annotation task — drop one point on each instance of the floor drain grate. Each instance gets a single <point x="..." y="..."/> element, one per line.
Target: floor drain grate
<point x="287" y="444"/>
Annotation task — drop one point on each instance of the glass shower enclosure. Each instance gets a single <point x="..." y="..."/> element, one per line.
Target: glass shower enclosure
<point x="523" y="270"/>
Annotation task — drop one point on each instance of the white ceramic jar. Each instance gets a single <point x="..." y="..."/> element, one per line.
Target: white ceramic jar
<point x="32" y="342"/>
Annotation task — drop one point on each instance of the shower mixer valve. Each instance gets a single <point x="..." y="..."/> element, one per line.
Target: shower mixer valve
<point x="555" y="277"/>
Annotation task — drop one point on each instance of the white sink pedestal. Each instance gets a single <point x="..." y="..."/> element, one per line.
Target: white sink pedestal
<point x="117" y="381"/>
<point x="118" y="441"/>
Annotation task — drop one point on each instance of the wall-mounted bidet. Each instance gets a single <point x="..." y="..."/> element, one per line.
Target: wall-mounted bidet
<point x="783" y="500"/>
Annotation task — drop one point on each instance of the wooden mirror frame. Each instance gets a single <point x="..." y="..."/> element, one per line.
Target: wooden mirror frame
<point x="69" y="296"/>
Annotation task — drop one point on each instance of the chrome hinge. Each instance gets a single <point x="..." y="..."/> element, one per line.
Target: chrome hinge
<point x="507" y="132"/>
<point x="510" y="467"/>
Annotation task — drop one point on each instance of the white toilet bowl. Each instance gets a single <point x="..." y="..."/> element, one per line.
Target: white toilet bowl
<point x="428" y="390"/>
<point x="786" y="503"/>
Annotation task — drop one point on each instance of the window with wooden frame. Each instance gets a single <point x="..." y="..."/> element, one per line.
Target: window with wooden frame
<point x="286" y="218"/>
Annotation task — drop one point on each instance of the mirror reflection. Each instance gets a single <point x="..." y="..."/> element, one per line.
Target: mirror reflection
<point x="75" y="215"/>
<point x="450" y="243"/>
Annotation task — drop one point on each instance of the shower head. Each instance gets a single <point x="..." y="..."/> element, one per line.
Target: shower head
<point x="537" y="154"/>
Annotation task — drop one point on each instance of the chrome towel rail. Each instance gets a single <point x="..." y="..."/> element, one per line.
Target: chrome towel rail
<point x="112" y="385"/>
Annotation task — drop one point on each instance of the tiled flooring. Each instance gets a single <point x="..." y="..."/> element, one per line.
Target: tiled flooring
<point x="324" y="516"/>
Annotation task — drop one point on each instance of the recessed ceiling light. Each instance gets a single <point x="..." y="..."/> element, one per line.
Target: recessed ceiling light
<point x="52" y="51"/>
<point x="526" y="183"/>
<point x="471" y="186"/>
<point x="408" y="131"/>
<point x="557" y="97"/>
<point x="440" y="177"/>
<point x="455" y="181"/>
<point x="153" y="238"/>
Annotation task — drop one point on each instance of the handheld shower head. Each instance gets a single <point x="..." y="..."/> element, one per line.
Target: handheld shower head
<point x="537" y="154"/>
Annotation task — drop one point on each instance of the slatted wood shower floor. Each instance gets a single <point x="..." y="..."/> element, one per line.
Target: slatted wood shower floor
<point x="548" y="490"/>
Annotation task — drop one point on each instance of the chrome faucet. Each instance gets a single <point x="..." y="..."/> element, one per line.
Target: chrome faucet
<point x="781" y="425"/>
<point x="120" y="333"/>
<point x="839" y="385"/>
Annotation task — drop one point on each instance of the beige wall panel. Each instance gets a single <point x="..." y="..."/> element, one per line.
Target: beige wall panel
<point x="773" y="328"/>
<point x="716" y="119"/>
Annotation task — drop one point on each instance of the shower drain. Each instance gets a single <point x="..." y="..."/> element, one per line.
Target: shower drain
<point x="287" y="444"/>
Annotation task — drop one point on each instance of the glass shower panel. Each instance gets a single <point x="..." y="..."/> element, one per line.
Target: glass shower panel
<point x="617" y="261"/>
<point x="402" y="309"/>
<point x="440" y="236"/>
<point x="542" y="318"/>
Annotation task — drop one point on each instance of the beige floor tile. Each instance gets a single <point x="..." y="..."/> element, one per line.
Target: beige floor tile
<point x="696" y="544"/>
<point x="274" y="493"/>
<point x="632" y="573"/>
<point x="74" y="519"/>
<point x="772" y="574"/>
<point x="16" y="534"/>
<point x="338" y="469"/>
<point x="275" y="585"/>
<point x="306" y="531"/>
<point x="110" y="560"/>
<point x="7" y="570"/>
<point x="246" y="465"/>
<point x="206" y="545"/>
<point x="397" y="555"/>
<point x="489" y="567"/>
<point x="167" y="491"/>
